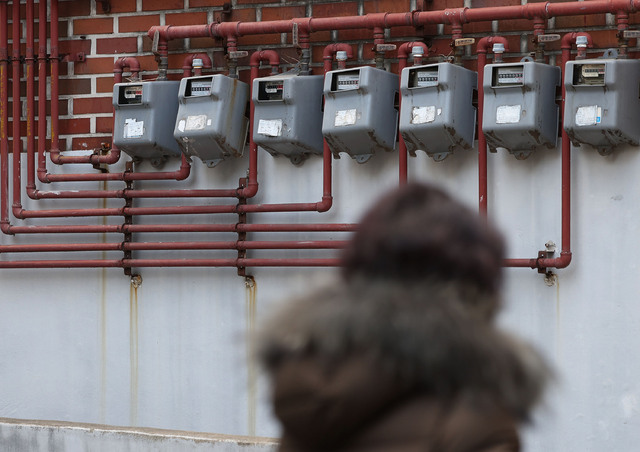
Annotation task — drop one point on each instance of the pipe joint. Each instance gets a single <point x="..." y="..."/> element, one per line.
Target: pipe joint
<point x="270" y="56"/>
<point x="224" y="29"/>
<point x="325" y="204"/>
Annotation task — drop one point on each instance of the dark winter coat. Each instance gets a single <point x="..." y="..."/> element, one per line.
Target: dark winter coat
<point x="382" y="367"/>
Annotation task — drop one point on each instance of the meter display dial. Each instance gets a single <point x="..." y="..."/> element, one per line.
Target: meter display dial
<point x="508" y="76"/>
<point x="589" y="74"/>
<point x="199" y="87"/>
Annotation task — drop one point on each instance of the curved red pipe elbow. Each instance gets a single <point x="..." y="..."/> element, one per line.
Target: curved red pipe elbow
<point x="126" y="62"/>
<point x="325" y="204"/>
<point x="570" y="38"/>
<point x="265" y="55"/>
<point x="331" y="50"/>
<point x="555" y="262"/>
<point x="187" y="65"/>
<point x="405" y="49"/>
<point x="484" y="43"/>
<point x="5" y="227"/>
<point x="249" y="191"/>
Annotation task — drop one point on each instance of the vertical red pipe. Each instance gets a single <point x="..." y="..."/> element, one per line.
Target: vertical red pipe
<point x="42" y="82"/>
<point x="55" y="90"/>
<point x="481" y="50"/>
<point x="4" y="119"/>
<point x="30" y="76"/>
<point x="15" y="85"/>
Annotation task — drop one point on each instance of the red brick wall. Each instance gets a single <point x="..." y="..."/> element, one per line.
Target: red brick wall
<point x="86" y="86"/>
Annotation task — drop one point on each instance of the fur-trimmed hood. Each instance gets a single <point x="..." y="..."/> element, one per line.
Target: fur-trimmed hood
<point x="437" y="337"/>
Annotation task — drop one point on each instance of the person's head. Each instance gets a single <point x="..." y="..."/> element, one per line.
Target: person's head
<point x="419" y="232"/>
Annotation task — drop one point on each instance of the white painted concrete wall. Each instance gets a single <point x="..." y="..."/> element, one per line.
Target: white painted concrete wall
<point x="84" y="346"/>
<point x="46" y="436"/>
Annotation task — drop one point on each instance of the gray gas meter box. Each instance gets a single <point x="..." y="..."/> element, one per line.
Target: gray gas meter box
<point x="360" y="116"/>
<point x="436" y="113"/>
<point x="520" y="110"/>
<point x="211" y="123"/>
<point x="602" y="103"/>
<point x="145" y="113"/>
<point x="287" y="118"/>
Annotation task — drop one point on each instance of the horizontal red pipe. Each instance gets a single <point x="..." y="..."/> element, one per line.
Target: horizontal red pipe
<point x="166" y="228"/>
<point x="128" y="263"/>
<point x="166" y="246"/>
<point x="388" y="20"/>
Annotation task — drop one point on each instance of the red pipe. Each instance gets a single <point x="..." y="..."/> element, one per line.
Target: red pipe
<point x="457" y="16"/>
<point x="164" y="228"/>
<point x="565" y="254"/>
<point x="129" y="263"/>
<point x="54" y="152"/>
<point x="173" y="246"/>
<point x="454" y="16"/>
<point x="187" y="66"/>
<point x="481" y="50"/>
<point x="4" y="118"/>
<point x="403" y="55"/>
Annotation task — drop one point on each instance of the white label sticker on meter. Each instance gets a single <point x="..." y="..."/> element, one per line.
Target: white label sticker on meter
<point x="423" y="115"/>
<point x="508" y="114"/>
<point x="589" y="115"/>
<point x="345" y="117"/>
<point x="133" y="128"/>
<point x="196" y="122"/>
<point x="270" y="127"/>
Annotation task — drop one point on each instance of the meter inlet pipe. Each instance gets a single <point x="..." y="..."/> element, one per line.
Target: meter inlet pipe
<point x="188" y="68"/>
<point x="250" y="188"/>
<point x="403" y="54"/>
<point x="565" y="254"/>
<point x="481" y="50"/>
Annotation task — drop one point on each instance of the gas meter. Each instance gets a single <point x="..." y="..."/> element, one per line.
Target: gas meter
<point x="602" y="103"/>
<point x="360" y="114"/>
<point x="145" y="113"/>
<point x="287" y="117"/>
<point x="520" y="110"/>
<point x="436" y="114"/>
<point x="211" y="123"/>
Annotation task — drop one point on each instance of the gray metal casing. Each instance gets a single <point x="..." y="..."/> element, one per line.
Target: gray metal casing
<point x="521" y="117"/>
<point x="212" y="125"/>
<point x="438" y="117"/>
<point x="288" y="121"/>
<point x="362" y="120"/>
<point x="603" y="115"/>
<point x="143" y="123"/>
